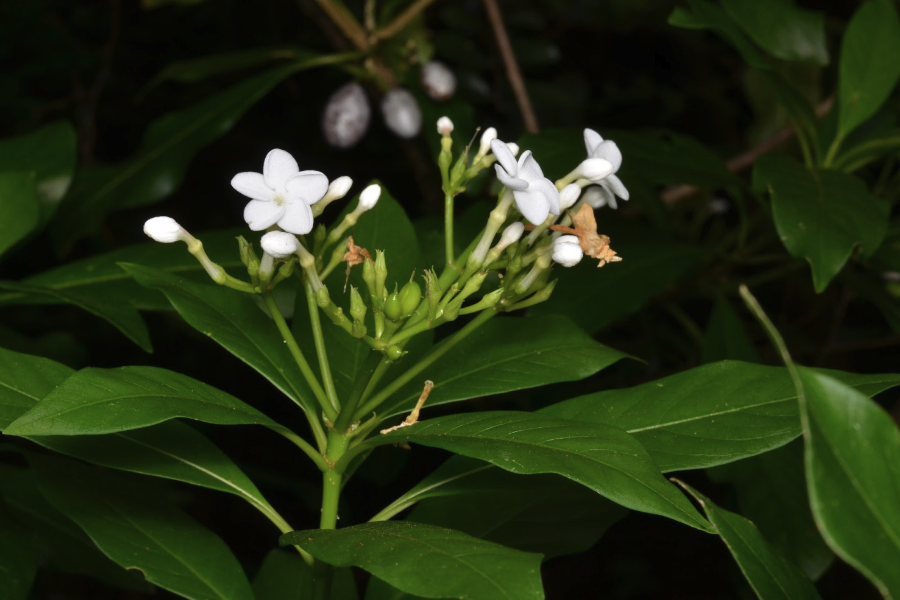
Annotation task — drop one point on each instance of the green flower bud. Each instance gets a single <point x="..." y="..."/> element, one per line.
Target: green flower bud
<point x="368" y="276"/>
<point x="357" y="306"/>
<point x="392" y="308"/>
<point x="458" y="171"/>
<point x="380" y="274"/>
<point x="410" y="296"/>
<point x="433" y="291"/>
<point x="245" y="249"/>
<point x="323" y="299"/>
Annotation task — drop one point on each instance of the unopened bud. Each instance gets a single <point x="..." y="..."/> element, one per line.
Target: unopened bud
<point x="323" y="299"/>
<point x="368" y="275"/>
<point x="569" y="196"/>
<point x="513" y="148"/>
<point x="445" y="126"/>
<point x="346" y="117"/>
<point x="433" y="292"/>
<point x="567" y="251"/>
<point x="380" y="274"/>
<point x="511" y="235"/>
<point x="369" y="197"/>
<point x="401" y="113"/>
<point x="595" y="169"/>
<point x="357" y="306"/>
<point x="484" y="146"/>
<point x="245" y="248"/>
<point x="166" y="230"/>
<point x="279" y="244"/>
<point x="438" y="80"/>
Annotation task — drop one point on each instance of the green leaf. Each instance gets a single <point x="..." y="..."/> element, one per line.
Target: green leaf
<point x="605" y="459"/>
<point x="782" y="29"/>
<point x="285" y="576"/>
<point x="821" y="215"/>
<point x="429" y="561"/>
<point x="870" y="149"/>
<point x="771" y="576"/>
<point x="193" y="70"/>
<point x="771" y="492"/>
<point x="707" y="416"/>
<point x="654" y="263"/>
<point x="24" y="380"/>
<point x="852" y="453"/>
<point x="506" y="355"/>
<point x="725" y="337"/>
<point x="122" y="316"/>
<point x="234" y="321"/>
<point x="139" y="532"/>
<point x="48" y="154"/>
<point x="95" y="401"/>
<point x="18" y="560"/>
<point x="21" y="211"/>
<point x="868" y="68"/>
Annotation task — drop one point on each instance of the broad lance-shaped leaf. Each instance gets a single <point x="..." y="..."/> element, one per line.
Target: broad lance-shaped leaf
<point x="821" y="215"/>
<point x="24" y="380"/>
<point x="233" y="320"/>
<point x="506" y="355"/>
<point x="95" y="401"/>
<point x="140" y="532"/>
<point x="869" y="69"/>
<point x="783" y="30"/>
<point x="770" y="574"/>
<point x="603" y="458"/>
<point x="427" y="561"/>
<point x="852" y="457"/>
<point x="707" y="416"/>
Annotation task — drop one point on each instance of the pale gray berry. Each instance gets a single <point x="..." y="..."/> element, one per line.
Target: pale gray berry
<point x="346" y="117"/>
<point x="401" y="113"/>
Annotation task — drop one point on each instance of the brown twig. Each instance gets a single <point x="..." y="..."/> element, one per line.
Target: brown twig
<point x="512" y="66"/>
<point x="346" y="22"/>
<point x="745" y="160"/>
<point x="402" y="20"/>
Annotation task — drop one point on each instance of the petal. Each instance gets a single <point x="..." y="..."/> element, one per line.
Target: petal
<point x="597" y="196"/>
<point x="297" y="219"/>
<point x="615" y="185"/>
<point x="262" y="215"/>
<point x="512" y="183"/>
<point x="309" y="186"/>
<point x="529" y="169"/>
<point x="504" y="156"/>
<point x="534" y="206"/>
<point x="253" y="186"/>
<point x="278" y="168"/>
<point x="608" y="194"/>
<point x="609" y="151"/>
<point x="592" y="139"/>
<point x="545" y="186"/>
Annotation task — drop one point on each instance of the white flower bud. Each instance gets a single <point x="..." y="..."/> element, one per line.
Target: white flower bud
<point x="569" y="196"/>
<point x="595" y="169"/>
<point x="279" y="244"/>
<point x="337" y="189"/>
<point x="165" y="230"/>
<point x="445" y="126"/>
<point x="514" y="148"/>
<point x="511" y="235"/>
<point x="438" y="80"/>
<point x="346" y="117"/>
<point x="567" y="251"/>
<point x="484" y="146"/>
<point x="401" y="113"/>
<point x="369" y="197"/>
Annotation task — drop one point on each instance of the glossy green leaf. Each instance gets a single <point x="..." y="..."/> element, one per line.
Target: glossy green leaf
<point x="21" y="211"/>
<point x="48" y="154"/>
<point x="122" y="316"/>
<point x="771" y="492"/>
<point x="233" y="320"/>
<point x="508" y="354"/>
<point x="605" y="459"/>
<point x="95" y="401"/>
<point x="821" y="215"/>
<point x="852" y="457"/>
<point x="725" y="337"/>
<point x="171" y="549"/>
<point x="770" y="574"/>
<point x="285" y="576"/>
<point x="410" y="555"/>
<point x="707" y="416"/>
<point x="782" y="29"/>
<point x="24" y="380"/>
<point x="197" y="69"/>
<point x="18" y="560"/>
<point x="868" y="150"/>
<point x="868" y="67"/>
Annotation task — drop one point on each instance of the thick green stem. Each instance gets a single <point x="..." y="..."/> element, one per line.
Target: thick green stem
<point x="331" y="494"/>
<point x="321" y="352"/>
<point x="449" y="343"/>
<point x="298" y="356"/>
<point x="448" y="227"/>
<point x="345" y="418"/>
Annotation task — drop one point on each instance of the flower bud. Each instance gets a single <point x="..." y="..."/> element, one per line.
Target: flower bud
<point x="166" y="230"/>
<point x="511" y="235"/>
<point x="438" y="80"/>
<point x="484" y="146"/>
<point x="491" y="300"/>
<point x="323" y="299"/>
<point x="380" y="274"/>
<point x="445" y="126"/>
<point x="392" y="308"/>
<point x="595" y="169"/>
<point x="567" y="251"/>
<point x="357" y="306"/>
<point x="337" y="189"/>
<point x="401" y="113"/>
<point x="279" y="244"/>
<point x="433" y="292"/>
<point x="410" y="296"/>
<point x="514" y="148"/>
<point x="245" y="248"/>
<point x="369" y="197"/>
<point x="368" y="275"/>
<point x="569" y="196"/>
<point x="346" y="117"/>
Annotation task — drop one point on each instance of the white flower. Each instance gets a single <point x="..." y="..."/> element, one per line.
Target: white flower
<point x="282" y="194"/>
<point x="536" y="196"/>
<point x="368" y="198"/>
<point x="607" y="150"/>
<point x="445" y="126"/>
<point x="279" y="244"/>
<point x="567" y="251"/>
<point x="596" y="196"/>
<point x="569" y="196"/>
<point x="165" y="230"/>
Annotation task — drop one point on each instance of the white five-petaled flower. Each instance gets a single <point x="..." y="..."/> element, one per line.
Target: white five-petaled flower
<point x="536" y="196"/>
<point x="282" y="194"/>
<point x="567" y="250"/>
<point x="607" y="150"/>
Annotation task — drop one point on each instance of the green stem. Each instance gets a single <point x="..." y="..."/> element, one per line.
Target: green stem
<point x="774" y="335"/>
<point x="298" y="356"/>
<point x="449" y="343"/>
<point x="345" y="419"/>
<point x="833" y="150"/>
<point x="382" y="368"/>
<point x="448" y="227"/>
<point x="321" y="352"/>
<point x="305" y="446"/>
